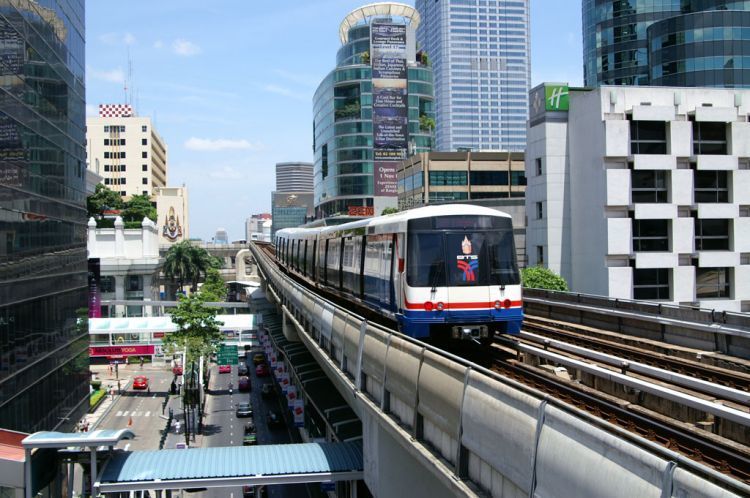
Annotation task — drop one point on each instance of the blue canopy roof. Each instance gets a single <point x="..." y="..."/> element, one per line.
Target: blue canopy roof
<point x="232" y="465"/>
<point x="99" y="437"/>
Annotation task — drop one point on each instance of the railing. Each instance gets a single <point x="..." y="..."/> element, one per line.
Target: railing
<point x="487" y="432"/>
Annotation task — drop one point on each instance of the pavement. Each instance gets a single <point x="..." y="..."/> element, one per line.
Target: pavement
<point x="117" y="382"/>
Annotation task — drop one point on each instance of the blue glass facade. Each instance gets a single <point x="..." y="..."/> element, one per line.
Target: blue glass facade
<point x="662" y="42"/>
<point x="342" y="126"/>
<point x="44" y="378"/>
<point x="480" y="55"/>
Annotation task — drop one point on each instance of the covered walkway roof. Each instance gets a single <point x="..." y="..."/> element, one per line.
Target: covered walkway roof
<point x="232" y="466"/>
<point x="100" y="437"/>
<point x="161" y="324"/>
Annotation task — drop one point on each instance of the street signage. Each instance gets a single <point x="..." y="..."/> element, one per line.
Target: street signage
<point x="227" y="355"/>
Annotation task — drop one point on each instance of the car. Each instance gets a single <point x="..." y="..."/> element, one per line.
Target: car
<point x="253" y="491"/>
<point x="140" y="382"/>
<point x="267" y="391"/>
<point x="177" y="370"/>
<point x="242" y="369"/>
<point x="249" y="438"/>
<point x="259" y="358"/>
<point x="225" y="369"/>
<point x="262" y="370"/>
<point x="243" y="384"/>
<point x="274" y="419"/>
<point x="244" y="409"/>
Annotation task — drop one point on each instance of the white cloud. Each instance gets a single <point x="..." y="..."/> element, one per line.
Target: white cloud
<point x="286" y="92"/>
<point x="226" y="173"/>
<point x="158" y="44"/>
<point x="207" y="144"/>
<point x="116" y="75"/>
<point x="185" y="47"/>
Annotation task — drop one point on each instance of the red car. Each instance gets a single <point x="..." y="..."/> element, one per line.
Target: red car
<point x="244" y="384"/>
<point x="262" y="370"/>
<point x="140" y="382"/>
<point x="225" y="369"/>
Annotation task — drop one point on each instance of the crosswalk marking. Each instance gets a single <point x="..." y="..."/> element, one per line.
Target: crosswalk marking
<point x="148" y="414"/>
<point x="119" y="413"/>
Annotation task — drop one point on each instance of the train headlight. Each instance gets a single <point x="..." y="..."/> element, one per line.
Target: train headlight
<point x="498" y="305"/>
<point x="507" y="303"/>
<point x="440" y="306"/>
<point x="428" y="306"/>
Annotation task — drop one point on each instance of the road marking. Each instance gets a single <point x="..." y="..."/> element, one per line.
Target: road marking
<point x="125" y="413"/>
<point x="119" y="413"/>
<point x="148" y="414"/>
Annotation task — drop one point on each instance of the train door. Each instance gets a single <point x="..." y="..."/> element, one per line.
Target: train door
<point x="304" y="260"/>
<point x="313" y="269"/>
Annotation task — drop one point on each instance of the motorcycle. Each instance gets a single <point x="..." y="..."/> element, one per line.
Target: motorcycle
<point x="231" y="388"/>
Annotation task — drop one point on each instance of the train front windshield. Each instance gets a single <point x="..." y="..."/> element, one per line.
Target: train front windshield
<point x="460" y="250"/>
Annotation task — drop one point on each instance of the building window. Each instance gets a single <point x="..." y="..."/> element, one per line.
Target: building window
<point x="144" y="167"/>
<point x="144" y="141"/>
<point x="650" y="235"/>
<point x="123" y="193"/>
<point x="145" y="192"/>
<point x="711" y="186"/>
<point x="324" y="160"/>
<point x="144" y="154"/>
<point x="106" y="181"/>
<point x="538" y="163"/>
<point x="442" y="178"/>
<point x="712" y="283"/>
<point x="649" y="186"/>
<point x="106" y="141"/>
<point x="107" y="284"/>
<point x="539" y="210"/>
<point x="122" y="167"/>
<point x="122" y="155"/>
<point x="711" y="235"/>
<point x="106" y="167"/>
<point x="486" y="177"/>
<point x="144" y="128"/>
<point x="651" y="283"/>
<point x="518" y="178"/>
<point x="648" y="137"/>
<point x="540" y="255"/>
<point x="106" y="129"/>
<point x="145" y="181"/>
<point x="709" y="138"/>
<point x="134" y="283"/>
<point x="106" y="155"/>
<point x="448" y="196"/>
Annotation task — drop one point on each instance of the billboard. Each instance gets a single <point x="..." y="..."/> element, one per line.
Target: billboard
<point x="390" y="109"/>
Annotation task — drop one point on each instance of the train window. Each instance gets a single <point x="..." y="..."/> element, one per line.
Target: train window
<point x="304" y="260"/>
<point x="426" y="260"/>
<point x="502" y="253"/>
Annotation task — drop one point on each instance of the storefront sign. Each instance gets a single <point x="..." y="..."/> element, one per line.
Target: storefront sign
<point x="122" y="351"/>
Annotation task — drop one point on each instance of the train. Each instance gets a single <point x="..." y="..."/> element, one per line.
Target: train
<point x="445" y="271"/>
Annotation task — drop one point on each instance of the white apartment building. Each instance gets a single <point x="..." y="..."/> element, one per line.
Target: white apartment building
<point x="642" y="192"/>
<point x="126" y="151"/>
<point x="129" y="262"/>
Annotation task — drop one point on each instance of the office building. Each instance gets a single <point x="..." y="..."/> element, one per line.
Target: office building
<point x="480" y="56"/>
<point x="126" y="151"/>
<point x="172" y="215"/>
<point x="294" y="177"/>
<point x="370" y="111"/>
<point x="290" y="209"/>
<point x="666" y="43"/>
<point x="642" y="193"/>
<point x="432" y="177"/>
<point x="258" y="227"/>
<point x="221" y="236"/>
<point x="44" y="364"/>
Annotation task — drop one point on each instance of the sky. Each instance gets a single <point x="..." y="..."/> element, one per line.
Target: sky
<point x="229" y="85"/>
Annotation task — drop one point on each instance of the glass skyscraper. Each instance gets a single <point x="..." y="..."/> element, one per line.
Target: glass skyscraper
<point x="44" y="363"/>
<point x="480" y="56"/>
<point x="666" y="42"/>
<point x="345" y="179"/>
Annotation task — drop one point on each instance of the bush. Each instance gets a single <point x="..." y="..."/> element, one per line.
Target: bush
<point x="96" y="398"/>
<point x="96" y="384"/>
<point x="538" y="277"/>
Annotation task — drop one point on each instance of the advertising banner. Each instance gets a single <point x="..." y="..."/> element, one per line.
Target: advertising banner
<point x="95" y="297"/>
<point x="291" y="395"/>
<point x="279" y="370"/>
<point x="142" y="350"/>
<point x="299" y="412"/>
<point x="390" y="109"/>
<point x="284" y="382"/>
<point x="273" y="360"/>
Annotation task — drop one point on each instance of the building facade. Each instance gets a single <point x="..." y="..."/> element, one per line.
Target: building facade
<point x="666" y="43"/>
<point x="294" y="177"/>
<point x="368" y="114"/>
<point x="460" y="176"/>
<point x="258" y="227"/>
<point x="643" y="193"/>
<point x="290" y="209"/>
<point x="172" y="215"/>
<point x="480" y="57"/>
<point x="44" y="365"/>
<point x="129" y="263"/>
<point x="126" y="151"/>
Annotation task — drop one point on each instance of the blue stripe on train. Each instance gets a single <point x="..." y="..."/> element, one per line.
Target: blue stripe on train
<point x="416" y="323"/>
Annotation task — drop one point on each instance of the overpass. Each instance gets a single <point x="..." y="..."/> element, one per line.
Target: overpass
<point x="456" y="428"/>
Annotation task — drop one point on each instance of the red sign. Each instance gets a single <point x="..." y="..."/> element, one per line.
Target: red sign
<point x="141" y="350"/>
<point x="158" y="335"/>
<point x="361" y="211"/>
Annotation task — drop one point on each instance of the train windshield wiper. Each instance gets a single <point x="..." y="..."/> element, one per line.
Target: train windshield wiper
<point x="436" y="276"/>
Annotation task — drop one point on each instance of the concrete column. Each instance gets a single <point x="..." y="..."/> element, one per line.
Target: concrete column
<point x="71" y="479"/>
<point x="148" y="295"/>
<point x="27" y="474"/>
<point x="287" y="327"/>
<point x="93" y="253"/>
<point x="120" y="294"/>
<point x="119" y="238"/>
<point x="93" y="472"/>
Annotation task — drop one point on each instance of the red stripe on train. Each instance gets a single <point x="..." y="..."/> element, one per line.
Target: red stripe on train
<point x="459" y="306"/>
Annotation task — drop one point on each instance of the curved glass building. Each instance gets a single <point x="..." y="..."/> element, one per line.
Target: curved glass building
<point x="665" y="42"/>
<point x="345" y="176"/>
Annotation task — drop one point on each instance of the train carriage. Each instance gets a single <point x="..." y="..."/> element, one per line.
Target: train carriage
<point x="436" y="271"/>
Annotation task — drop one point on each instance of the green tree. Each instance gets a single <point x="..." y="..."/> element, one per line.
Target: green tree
<point x="137" y="208"/>
<point x="389" y="210"/>
<point x="102" y="199"/>
<point x="538" y="277"/>
<point x="365" y="57"/>
<point x="178" y="263"/>
<point x="201" y="262"/>
<point x="197" y="328"/>
<point x="213" y="289"/>
<point x="426" y="122"/>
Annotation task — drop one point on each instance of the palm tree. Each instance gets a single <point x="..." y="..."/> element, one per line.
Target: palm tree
<point x="201" y="261"/>
<point x="178" y="263"/>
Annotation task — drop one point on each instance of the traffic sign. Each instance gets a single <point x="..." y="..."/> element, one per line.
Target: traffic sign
<point x="227" y="355"/>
